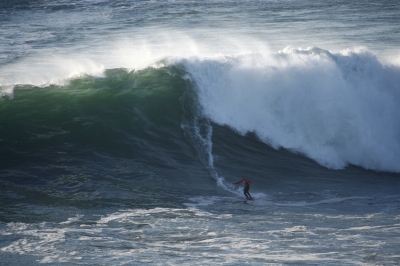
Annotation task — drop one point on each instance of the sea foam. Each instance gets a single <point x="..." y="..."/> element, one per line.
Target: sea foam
<point x="336" y="108"/>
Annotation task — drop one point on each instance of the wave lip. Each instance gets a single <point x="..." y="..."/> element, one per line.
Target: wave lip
<point x="336" y="108"/>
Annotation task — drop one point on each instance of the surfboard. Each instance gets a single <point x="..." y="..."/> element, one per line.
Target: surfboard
<point x="247" y="200"/>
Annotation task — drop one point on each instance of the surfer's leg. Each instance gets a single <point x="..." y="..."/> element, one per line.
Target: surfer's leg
<point x="246" y="192"/>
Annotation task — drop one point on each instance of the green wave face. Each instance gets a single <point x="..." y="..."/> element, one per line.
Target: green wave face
<point x="106" y="113"/>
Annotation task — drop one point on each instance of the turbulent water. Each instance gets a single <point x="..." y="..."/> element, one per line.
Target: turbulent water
<point x="123" y="125"/>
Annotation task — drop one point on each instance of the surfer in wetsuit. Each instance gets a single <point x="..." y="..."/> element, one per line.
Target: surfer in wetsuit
<point x="246" y="183"/>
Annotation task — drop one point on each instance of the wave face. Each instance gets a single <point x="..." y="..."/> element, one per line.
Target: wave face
<point x="336" y="108"/>
<point x="87" y="140"/>
<point x="119" y="113"/>
<point x="169" y="127"/>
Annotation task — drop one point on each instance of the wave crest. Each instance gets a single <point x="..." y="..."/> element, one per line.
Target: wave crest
<point x="336" y="108"/>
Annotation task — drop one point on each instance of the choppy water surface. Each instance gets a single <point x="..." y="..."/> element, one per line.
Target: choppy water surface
<point x="124" y="123"/>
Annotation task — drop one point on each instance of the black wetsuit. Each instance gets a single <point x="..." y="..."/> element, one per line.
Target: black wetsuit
<point x="246" y="183"/>
<point x="246" y="189"/>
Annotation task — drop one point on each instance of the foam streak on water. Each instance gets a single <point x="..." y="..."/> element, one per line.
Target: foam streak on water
<point x="192" y="236"/>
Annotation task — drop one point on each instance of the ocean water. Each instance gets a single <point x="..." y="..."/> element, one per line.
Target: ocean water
<point x="124" y="123"/>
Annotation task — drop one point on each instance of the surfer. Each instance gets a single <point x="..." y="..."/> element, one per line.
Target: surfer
<point x="246" y="183"/>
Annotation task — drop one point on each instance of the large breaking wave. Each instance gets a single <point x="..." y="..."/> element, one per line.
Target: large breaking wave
<point x="336" y="108"/>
